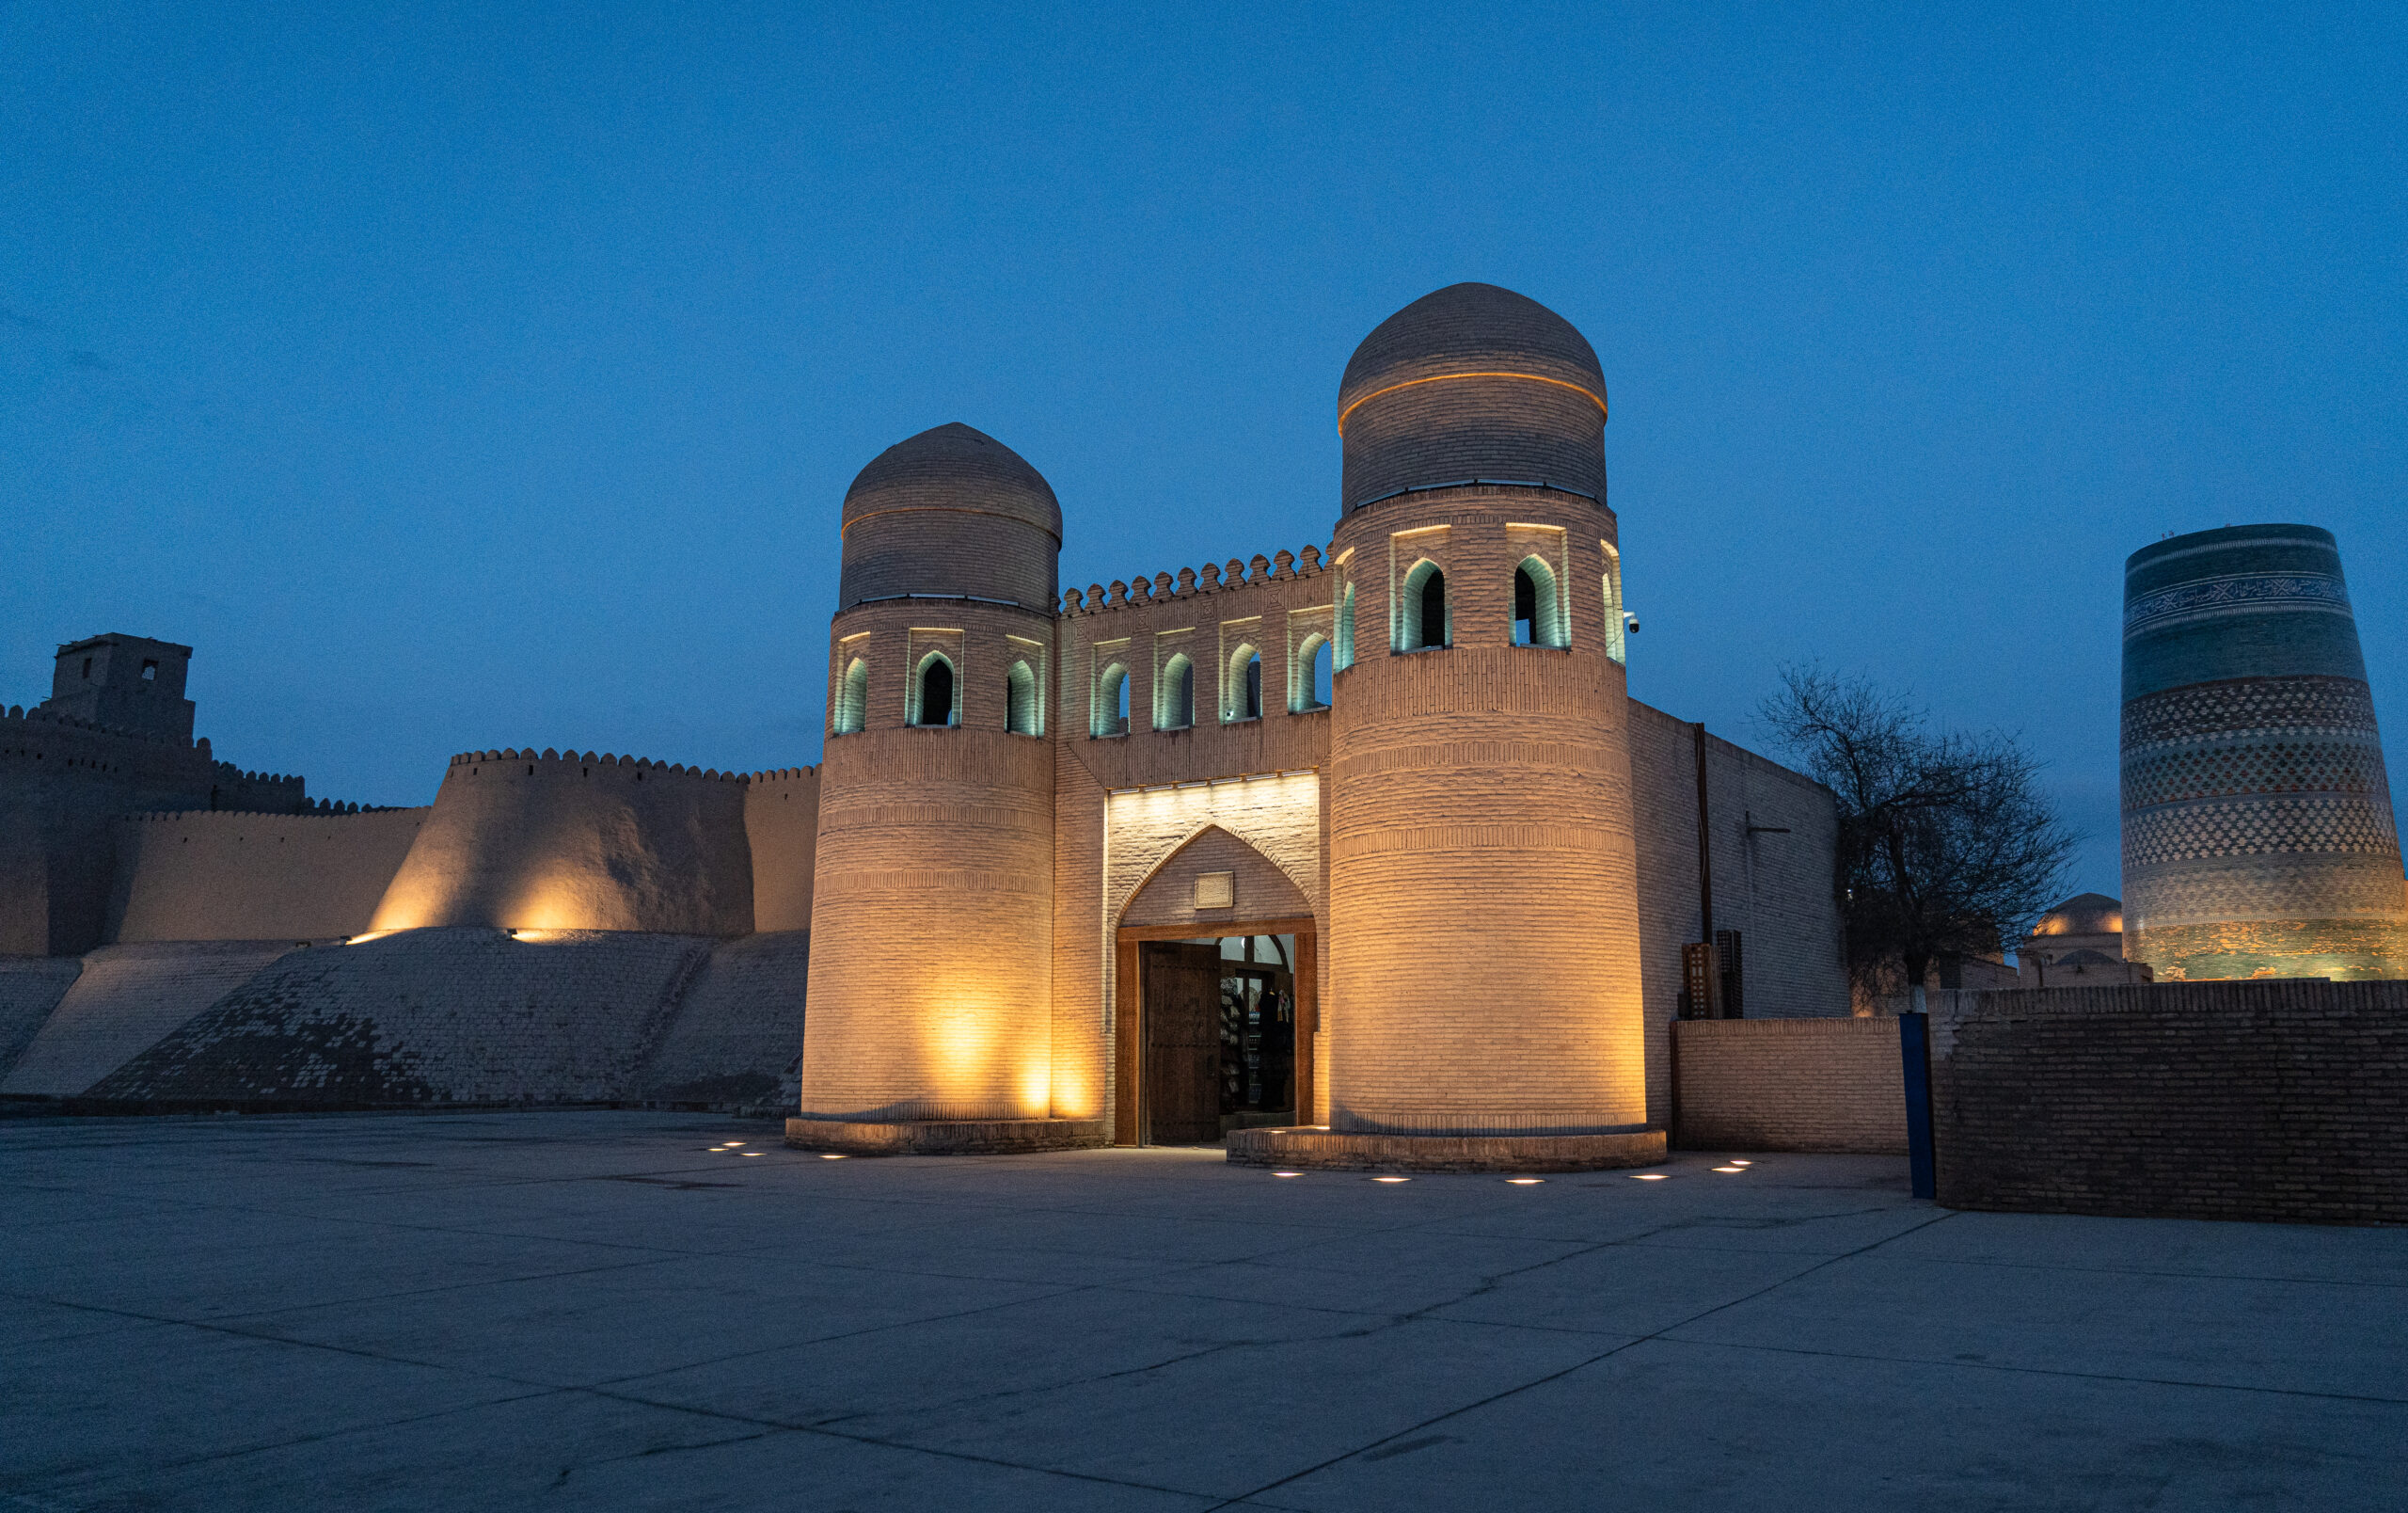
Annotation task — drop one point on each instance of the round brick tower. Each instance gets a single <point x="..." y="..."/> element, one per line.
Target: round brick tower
<point x="1483" y="896"/>
<point x="2258" y="837"/>
<point x="932" y="908"/>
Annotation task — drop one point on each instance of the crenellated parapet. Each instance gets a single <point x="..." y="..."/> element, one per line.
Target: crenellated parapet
<point x="1201" y="672"/>
<point x="1284" y="566"/>
<point x="553" y="762"/>
<point x="37" y="715"/>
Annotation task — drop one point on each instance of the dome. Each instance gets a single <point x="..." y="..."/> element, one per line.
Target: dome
<point x="1470" y="384"/>
<point x="954" y="467"/>
<point x="1466" y="329"/>
<point x="951" y="513"/>
<point x="2086" y="913"/>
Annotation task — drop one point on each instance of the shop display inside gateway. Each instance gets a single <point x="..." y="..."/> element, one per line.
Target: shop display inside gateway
<point x="1220" y="1036"/>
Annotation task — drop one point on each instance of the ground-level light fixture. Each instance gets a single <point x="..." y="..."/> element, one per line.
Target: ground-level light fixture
<point x="1729" y="1169"/>
<point x="1647" y="1176"/>
<point x="1526" y="1181"/>
<point x="1287" y="1173"/>
<point x="832" y="1156"/>
<point x="1391" y="1179"/>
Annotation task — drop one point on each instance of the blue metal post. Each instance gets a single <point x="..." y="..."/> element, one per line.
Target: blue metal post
<point x="1914" y="1054"/>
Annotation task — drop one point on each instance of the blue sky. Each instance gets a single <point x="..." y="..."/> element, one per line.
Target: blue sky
<point x="465" y="376"/>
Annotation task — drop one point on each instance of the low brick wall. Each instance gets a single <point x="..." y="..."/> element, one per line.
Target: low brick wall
<point x="1790" y="1085"/>
<point x="1345" y="1152"/>
<point x="944" y="1137"/>
<point x="2278" y="1100"/>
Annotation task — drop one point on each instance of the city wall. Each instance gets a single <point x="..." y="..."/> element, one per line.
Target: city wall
<point x="519" y="840"/>
<point x="230" y="876"/>
<point x="63" y="784"/>
<point x="781" y="829"/>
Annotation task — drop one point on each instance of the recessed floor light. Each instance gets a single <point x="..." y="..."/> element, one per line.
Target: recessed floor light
<point x="753" y="1152"/>
<point x="1743" y="1163"/>
<point x="1729" y="1169"/>
<point x="832" y="1156"/>
<point x="1647" y="1176"/>
<point x="1287" y="1173"/>
<point x="1526" y="1181"/>
<point x="1391" y="1179"/>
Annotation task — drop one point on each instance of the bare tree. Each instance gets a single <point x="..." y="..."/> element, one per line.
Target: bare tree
<point x="1947" y="848"/>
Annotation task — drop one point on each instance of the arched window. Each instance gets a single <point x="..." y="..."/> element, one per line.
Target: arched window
<point x="932" y="701"/>
<point x="1020" y="701"/>
<point x="1242" y="690"/>
<point x="1616" y="620"/>
<point x="1538" y="608"/>
<point x="1308" y="680"/>
<point x="1343" y="657"/>
<point x="1111" y="716"/>
<point x="852" y="698"/>
<point x="1426" y="621"/>
<point x="1175" y="694"/>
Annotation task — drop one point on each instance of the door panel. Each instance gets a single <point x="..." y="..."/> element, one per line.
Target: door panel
<point x="1182" y="1019"/>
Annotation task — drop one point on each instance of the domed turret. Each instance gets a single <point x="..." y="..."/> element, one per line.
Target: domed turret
<point x="1481" y="842"/>
<point x="951" y="511"/>
<point x="1472" y="382"/>
<point x="934" y="864"/>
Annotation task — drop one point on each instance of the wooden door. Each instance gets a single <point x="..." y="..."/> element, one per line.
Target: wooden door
<point x="1183" y="1020"/>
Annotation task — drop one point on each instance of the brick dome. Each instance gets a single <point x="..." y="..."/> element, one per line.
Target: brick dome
<point x="1472" y="382"/>
<point x="2084" y="914"/>
<point x="951" y="512"/>
<point x="954" y="467"/>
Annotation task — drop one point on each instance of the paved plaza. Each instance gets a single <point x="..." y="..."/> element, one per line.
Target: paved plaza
<point x="602" y="1311"/>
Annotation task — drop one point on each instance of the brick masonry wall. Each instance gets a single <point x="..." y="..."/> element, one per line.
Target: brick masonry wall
<point x="1774" y="888"/>
<point x="2269" y="1100"/>
<point x="933" y="895"/>
<point x="781" y="824"/>
<point x="427" y="1016"/>
<point x="125" y="1000"/>
<point x="738" y="1035"/>
<point x="1790" y="1085"/>
<point x="1483" y="949"/>
<point x="30" y="988"/>
<point x="219" y="876"/>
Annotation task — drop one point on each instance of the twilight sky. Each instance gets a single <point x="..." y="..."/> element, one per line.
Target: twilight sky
<point x="452" y="379"/>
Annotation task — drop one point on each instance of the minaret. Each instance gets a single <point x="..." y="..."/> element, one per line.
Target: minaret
<point x="927" y="1025"/>
<point x="1483" y="895"/>
<point x="2259" y="836"/>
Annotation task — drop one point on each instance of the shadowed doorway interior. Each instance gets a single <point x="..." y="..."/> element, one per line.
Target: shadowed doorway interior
<point x="1219" y="1026"/>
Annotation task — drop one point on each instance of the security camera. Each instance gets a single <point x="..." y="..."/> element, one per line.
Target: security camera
<point x="1630" y="622"/>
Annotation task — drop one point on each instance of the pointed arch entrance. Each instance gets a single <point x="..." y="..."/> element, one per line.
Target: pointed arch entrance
<point x="1217" y="984"/>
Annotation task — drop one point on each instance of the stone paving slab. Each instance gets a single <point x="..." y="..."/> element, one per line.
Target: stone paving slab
<point x="606" y="1311"/>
